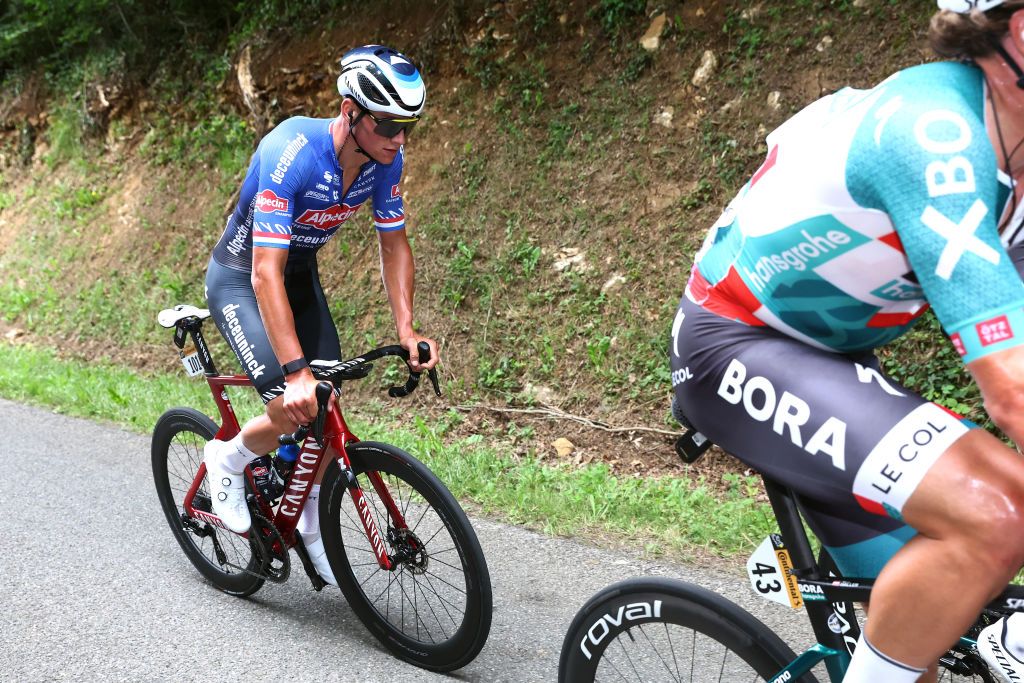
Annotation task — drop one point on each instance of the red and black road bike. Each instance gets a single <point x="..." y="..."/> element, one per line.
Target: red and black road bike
<point x="403" y="551"/>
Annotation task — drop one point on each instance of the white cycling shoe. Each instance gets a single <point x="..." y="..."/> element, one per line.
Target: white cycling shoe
<point x="227" y="488"/>
<point x="1001" y="645"/>
<point x="315" y="547"/>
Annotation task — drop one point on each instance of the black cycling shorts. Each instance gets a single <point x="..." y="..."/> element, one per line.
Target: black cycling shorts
<point x="852" y="443"/>
<point x="233" y="306"/>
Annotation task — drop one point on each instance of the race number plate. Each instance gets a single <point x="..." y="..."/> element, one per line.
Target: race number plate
<point x="768" y="569"/>
<point x="190" y="359"/>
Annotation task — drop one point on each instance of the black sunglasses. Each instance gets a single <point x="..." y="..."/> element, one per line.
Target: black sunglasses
<point x="389" y="128"/>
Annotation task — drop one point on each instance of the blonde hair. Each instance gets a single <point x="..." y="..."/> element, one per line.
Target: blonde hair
<point x="972" y="35"/>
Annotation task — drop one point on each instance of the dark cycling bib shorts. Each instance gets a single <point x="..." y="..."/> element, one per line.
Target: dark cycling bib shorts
<point x="233" y="306"/>
<point x="852" y="443"/>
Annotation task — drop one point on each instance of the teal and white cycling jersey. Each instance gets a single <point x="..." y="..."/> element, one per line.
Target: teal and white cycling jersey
<point x="871" y="205"/>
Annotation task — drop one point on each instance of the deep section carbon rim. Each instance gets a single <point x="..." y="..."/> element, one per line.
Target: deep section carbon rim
<point x="425" y="597"/>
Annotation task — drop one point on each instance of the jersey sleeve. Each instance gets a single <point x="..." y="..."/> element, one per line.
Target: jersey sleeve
<point x="281" y="170"/>
<point x="388" y="208"/>
<point x="925" y="159"/>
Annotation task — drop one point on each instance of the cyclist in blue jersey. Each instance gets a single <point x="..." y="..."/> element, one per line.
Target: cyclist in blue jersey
<point x="872" y="206"/>
<point x="306" y="180"/>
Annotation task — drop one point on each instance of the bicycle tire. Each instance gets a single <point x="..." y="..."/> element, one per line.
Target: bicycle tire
<point x="440" y="526"/>
<point x="177" y="451"/>
<point x="605" y="638"/>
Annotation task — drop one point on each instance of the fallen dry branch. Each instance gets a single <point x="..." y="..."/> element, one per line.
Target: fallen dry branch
<point x="553" y="413"/>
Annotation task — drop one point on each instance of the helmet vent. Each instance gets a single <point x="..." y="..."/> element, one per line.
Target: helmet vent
<point x="371" y="91"/>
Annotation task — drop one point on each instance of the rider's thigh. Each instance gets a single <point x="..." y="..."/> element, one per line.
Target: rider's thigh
<point x="975" y="491"/>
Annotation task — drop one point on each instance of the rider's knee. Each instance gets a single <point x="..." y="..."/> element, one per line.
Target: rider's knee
<point x="993" y="521"/>
<point x="281" y="422"/>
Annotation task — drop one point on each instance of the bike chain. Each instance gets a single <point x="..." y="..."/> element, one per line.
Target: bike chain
<point x="263" y="536"/>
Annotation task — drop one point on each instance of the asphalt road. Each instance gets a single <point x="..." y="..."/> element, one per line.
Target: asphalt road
<point x="93" y="586"/>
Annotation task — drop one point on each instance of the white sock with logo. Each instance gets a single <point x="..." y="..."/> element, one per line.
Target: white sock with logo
<point x="1014" y="641"/>
<point x="871" y="666"/>
<point x="309" y="520"/>
<point x="238" y="456"/>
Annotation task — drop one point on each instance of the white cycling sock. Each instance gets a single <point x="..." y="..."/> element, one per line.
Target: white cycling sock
<point x="309" y="520"/>
<point x="1014" y="642"/>
<point x="871" y="666"/>
<point x="238" y="456"/>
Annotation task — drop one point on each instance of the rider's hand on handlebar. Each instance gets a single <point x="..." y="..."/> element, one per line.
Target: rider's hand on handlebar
<point x="409" y="343"/>
<point x="300" y="397"/>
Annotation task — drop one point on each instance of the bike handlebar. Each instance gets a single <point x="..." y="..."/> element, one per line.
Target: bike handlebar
<point x="358" y="368"/>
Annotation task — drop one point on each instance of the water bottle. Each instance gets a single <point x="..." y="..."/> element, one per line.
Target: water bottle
<point x="265" y="478"/>
<point x="269" y="474"/>
<point x="284" y="461"/>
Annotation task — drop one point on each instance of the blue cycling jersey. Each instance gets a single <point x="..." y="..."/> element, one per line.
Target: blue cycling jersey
<point x="291" y="198"/>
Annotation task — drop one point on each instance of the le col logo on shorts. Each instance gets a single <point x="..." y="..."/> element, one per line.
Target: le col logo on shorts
<point x="267" y="201"/>
<point x="994" y="331"/>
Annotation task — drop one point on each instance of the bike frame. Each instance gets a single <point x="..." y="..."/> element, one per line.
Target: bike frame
<point x="337" y="436"/>
<point x="829" y="597"/>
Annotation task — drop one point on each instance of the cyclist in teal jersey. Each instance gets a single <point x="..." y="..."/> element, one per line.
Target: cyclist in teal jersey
<point x="872" y="206"/>
<point x="307" y="178"/>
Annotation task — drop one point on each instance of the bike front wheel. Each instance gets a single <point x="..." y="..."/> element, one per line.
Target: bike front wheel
<point x="651" y="630"/>
<point x="224" y="558"/>
<point x="434" y="608"/>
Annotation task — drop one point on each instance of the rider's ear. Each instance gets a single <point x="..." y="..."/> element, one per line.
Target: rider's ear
<point x="1016" y="30"/>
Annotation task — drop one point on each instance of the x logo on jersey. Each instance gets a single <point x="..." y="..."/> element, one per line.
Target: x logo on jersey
<point x="960" y="237"/>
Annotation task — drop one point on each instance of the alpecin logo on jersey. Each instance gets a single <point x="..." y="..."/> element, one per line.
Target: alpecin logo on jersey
<point x="325" y="219"/>
<point x="994" y="331"/>
<point x="958" y="344"/>
<point x="268" y="201"/>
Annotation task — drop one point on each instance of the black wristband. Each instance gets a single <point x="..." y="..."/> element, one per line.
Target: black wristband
<point x="293" y="366"/>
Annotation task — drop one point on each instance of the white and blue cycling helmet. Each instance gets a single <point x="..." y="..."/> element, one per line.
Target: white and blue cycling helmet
<point x="382" y="80"/>
<point x="965" y="6"/>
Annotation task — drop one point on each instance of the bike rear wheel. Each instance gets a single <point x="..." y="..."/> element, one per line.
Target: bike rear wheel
<point x="651" y="630"/>
<point x="434" y="609"/>
<point x="177" y="451"/>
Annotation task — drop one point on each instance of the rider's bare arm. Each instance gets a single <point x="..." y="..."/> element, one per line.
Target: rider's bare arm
<point x="1000" y="377"/>
<point x="398" y="274"/>
<point x="276" y="312"/>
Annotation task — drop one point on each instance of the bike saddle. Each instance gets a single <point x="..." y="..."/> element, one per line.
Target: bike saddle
<point x="169" y="317"/>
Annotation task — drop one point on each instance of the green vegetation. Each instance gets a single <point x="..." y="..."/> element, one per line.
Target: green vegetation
<point x="553" y="214"/>
<point x="558" y="499"/>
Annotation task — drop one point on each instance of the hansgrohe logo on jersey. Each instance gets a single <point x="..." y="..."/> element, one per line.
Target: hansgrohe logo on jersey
<point x="806" y="253"/>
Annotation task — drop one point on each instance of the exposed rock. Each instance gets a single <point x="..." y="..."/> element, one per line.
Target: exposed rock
<point x="613" y="282"/>
<point x="860" y="3"/>
<point x="664" y="117"/>
<point x="570" y="258"/>
<point x="752" y="13"/>
<point x="14" y="333"/>
<point x="704" y="72"/>
<point x="541" y="394"/>
<point x="731" y="104"/>
<point x="825" y="44"/>
<point x="651" y="40"/>
<point x="775" y="100"/>
<point x="563" y="447"/>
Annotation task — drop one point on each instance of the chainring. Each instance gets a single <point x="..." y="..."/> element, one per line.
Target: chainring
<point x="275" y="565"/>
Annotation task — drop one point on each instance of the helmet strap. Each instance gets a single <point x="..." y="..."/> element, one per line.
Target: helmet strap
<point x="1012" y="63"/>
<point x="352" y="132"/>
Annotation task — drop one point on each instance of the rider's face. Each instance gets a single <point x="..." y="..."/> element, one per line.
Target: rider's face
<point x="379" y="147"/>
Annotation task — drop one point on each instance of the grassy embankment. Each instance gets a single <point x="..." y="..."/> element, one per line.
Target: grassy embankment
<point x="663" y="516"/>
<point x="532" y="145"/>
